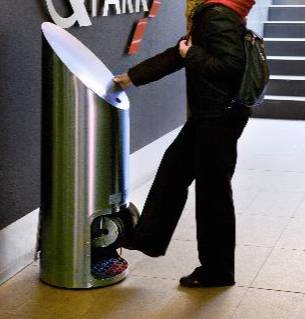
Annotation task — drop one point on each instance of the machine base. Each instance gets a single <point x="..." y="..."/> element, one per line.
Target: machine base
<point x="107" y="272"/>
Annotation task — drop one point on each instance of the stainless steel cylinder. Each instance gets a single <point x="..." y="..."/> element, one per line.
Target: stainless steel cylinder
<point x="84" y="162"/>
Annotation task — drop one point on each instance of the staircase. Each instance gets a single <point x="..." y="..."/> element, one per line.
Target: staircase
<point x="285" y="43"/>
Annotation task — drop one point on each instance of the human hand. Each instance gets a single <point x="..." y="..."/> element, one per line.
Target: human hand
<point x="123" y="80"/>
<point x="184" y="46"/>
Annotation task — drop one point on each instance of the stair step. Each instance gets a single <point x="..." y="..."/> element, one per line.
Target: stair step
<point x="284" y="29"/>
<point x="286" y="85"/>
<point x="287" y="12"/>
<point x="285" y="46"/>
<point x="291" y="58"/>
<point x="288" y="2"/>
<point x="281" y="107"/>
<point x="287" y="65"/>
<point x="288" y="77"/>
<point x="285" y="98"/>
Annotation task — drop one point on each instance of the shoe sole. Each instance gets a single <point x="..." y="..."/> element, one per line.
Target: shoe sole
<point x="207" y="285"/>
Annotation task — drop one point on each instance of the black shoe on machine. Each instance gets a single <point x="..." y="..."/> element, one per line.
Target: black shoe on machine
<point x="129" y="217"/>
<point x="198" y="278"/>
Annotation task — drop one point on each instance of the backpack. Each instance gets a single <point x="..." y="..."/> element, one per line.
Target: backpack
<point x="256" y="74"/>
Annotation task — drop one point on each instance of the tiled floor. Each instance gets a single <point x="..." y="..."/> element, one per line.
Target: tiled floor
<point x="269" y="187"/>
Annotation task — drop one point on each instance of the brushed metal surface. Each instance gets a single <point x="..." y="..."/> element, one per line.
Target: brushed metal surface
<point x="84" y="163"/>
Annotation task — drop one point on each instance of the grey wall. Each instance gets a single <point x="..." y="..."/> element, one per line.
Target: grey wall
<point x="258" y="15"/>
<point x="156" y="109"/>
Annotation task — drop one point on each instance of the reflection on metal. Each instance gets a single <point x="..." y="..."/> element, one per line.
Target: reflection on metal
<point x="85" y="150"/>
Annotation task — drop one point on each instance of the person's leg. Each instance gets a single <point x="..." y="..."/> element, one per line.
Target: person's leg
<point x="215" y="164"/>
<point x="215" y="213"/>
<point x="167" y="196"/>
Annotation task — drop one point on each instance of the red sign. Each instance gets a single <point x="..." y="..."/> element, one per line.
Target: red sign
<point x="139" y="32"/>
<point x="155" y="8"/>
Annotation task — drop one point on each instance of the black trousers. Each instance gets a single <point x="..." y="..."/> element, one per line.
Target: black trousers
<point x="204" y="150"/>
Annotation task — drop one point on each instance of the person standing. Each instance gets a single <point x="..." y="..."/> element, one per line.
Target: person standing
<point x="205" y="150"/>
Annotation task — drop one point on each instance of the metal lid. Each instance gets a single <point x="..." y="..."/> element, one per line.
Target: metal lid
<point x="85" y="65"/>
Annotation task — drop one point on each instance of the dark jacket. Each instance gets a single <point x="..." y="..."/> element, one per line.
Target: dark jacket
<point x="214" y="64"/>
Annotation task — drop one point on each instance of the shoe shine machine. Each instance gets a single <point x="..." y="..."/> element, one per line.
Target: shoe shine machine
<point x="84" y="166"/>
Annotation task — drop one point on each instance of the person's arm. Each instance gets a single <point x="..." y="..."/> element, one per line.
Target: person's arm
<point x="157" y="67"/>
<point x="220" y="52"/>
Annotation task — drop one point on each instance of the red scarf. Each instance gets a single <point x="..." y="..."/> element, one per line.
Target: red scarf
<point x="241" y="7"/>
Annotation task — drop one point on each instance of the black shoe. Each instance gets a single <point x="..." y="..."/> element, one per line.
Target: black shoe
<point x="132" y="244"/>
<point x="198" y="278"/>
<point x="129" y="217"/>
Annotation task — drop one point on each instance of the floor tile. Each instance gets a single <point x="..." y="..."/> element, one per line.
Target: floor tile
<point x="133" y="257"/>
<point x="244" y="197"/>
<point x="269" y="304"/>
<point x="291" y="162"/>
<point x="212" y="303"/>
<point x="190" y="203"/>
<point x="186" y="228"/>
<point x="175" y="264"/>
<point x="134" y="298"/>
<point x="27" y="297"/>
<point x="16" y="292"/>
<point x="180" y="259"/>
<point x="5" y="315"/>
<point x="249" y="260"/>
<point x="259" y="229"/>
<point x="267" y="137"/>
<point x="294" y="235"/>
<point x="300" y="212"/>
<point x="288" y="181"/>
<point x="270" y="180"/>
<point x="272" y="145"/>
<point x="276" y="203"/>
<point x="284" y="270"/>
<point x="162" y="299"/>
<point x="277" y="193"/>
